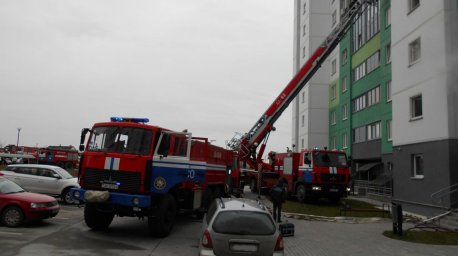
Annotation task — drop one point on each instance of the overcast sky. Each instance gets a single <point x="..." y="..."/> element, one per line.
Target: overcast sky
<point x="210" y="66"/>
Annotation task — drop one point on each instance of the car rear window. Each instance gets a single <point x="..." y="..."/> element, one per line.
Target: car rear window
<point x="243" y="223"/>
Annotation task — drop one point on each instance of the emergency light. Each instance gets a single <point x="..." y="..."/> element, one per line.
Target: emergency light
<point x="129" y="119"/>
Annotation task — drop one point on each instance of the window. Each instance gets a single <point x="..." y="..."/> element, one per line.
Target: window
<point x="366" y="26"/>
<point x="367" y="66"/>
<point x="305" y="5"/>
<point x="303" y="120"/>
<point x="373" y="96"/>
<point x="359" y="134"/>
<point x="303" y="97"/>
<point x="388" y="130"/>
<point x="304" y="29"/>
<point x="344" y="84"/>
<point x="302" y="143"/>
<point x="333" y="67"/>
<point x="333" y="117"/>
<point x="344" y="112"/>
<point x="251" y="222"/>
<point x="416" y="108"/>
<point x="373" y="131"/>
<point x="303" y="52"/>
<point x="344" y="56"/>
<point x="388" y="91"/>
<point x="414" y="51"/>
<point x="334" y="18"/>
<point x="333" y="142"/>
<point x="333" y="91"/>
<point x="373" y="62"/>
<point x="344" y="140"/>
<point x="370" y="98"/>
<point x="417" y="166"/>
<point x="388" y="53"/>
<point x="359" y="103"/>
<point x="413" y="4"/>
<point x="388" y="17"/>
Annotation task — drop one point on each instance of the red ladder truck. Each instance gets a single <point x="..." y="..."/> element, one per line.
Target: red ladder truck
<point x="129" y="168"/>
<point x="247" y="144"/>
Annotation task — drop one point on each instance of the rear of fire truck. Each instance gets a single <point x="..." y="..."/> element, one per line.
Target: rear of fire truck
<point x="129" y="168"/>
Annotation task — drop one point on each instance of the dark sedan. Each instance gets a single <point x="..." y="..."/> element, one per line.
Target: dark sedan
<point x="18" y="206"/>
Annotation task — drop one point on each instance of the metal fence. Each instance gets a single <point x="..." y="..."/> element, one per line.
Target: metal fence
<point x="363" y="187"/>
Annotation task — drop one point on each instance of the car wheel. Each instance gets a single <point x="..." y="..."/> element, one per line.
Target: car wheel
<point x="95" y="219"/>
<point x="161" y="222"/>
<point x="66" y="197"/>
<point x="12" y="216"/>
<point x="300" y="193"/>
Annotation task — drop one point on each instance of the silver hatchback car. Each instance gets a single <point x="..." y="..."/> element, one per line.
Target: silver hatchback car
<point x="238" y="226"/>
<point x="43" y="179"/>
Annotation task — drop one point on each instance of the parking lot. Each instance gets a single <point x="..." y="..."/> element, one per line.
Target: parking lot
<point x="66" y="234"/>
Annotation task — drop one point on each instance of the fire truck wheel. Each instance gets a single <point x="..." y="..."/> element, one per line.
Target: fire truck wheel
<point x="66" y="197"/>
<point x="96" y="219"/>
<point x="300" y="192"/>
<point x="68" y="166"/>
<point x="161" y="223"/>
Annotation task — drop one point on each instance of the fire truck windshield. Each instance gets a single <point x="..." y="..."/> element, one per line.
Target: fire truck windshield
<point x="329" y="159"/>
<point x="126" y="140"/>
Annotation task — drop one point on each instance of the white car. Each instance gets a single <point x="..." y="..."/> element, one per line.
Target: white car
<point x="43" y="179"/>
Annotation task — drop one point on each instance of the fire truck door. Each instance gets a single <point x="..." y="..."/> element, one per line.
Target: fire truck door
<point x="288" y="169"/>
<point x="171" y="161"/>
<point x="288" y="166"/>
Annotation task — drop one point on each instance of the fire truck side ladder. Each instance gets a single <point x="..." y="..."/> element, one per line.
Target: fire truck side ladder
<point x="247" y="143"/>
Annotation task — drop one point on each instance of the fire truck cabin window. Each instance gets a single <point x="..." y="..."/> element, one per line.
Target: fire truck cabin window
<point x="127" y="140"/>
<point x="330" y="159"/>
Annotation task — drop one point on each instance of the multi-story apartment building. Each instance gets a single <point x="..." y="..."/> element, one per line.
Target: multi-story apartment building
<point x="360" y="103"/>
<point x="310" y="108"/>
<point x="424" y="94"/>
<point x="392" y="96"/>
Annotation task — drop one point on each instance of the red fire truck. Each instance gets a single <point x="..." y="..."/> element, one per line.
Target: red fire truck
<point x="129" y="168"/>
<point x="65" y="157"/>
<point x="262" y="174"/>
<point x="314" y="173"/>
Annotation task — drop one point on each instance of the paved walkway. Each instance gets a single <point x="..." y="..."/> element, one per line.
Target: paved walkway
<point x="350" y="236"/>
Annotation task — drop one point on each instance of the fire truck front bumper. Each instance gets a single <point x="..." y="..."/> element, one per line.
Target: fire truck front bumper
<point x="93" y="196"/>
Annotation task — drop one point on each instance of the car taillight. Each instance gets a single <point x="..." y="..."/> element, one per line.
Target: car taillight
<point x="279" y="244"/>
<point x="207" y="240"/>
<point x="1" y="174"/>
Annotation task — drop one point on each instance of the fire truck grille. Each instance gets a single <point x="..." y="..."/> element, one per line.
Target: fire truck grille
<point x="332" y="177"/>
<point x="112" y="180"/>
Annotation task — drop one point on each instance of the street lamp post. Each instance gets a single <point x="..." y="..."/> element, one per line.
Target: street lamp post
<point x="18" y="132"/>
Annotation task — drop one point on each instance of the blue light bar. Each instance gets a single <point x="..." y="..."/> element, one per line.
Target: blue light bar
<point x="129" y="119"/>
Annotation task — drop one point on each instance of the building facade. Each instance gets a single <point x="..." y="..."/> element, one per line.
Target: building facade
<point x="425" y="103"/>
<point x="310" y="108"/>
<point x="392" y="97"/>
<point x="360" y="100"/>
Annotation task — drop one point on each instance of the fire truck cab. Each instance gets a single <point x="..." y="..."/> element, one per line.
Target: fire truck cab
<point x="315" y="173"/>
<point x="129" y="168"/>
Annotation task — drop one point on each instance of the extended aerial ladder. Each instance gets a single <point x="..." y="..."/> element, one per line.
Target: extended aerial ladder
<point x="247" y="144"/>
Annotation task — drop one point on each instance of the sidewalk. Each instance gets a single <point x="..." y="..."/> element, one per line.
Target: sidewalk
<point x="349" y="236"/>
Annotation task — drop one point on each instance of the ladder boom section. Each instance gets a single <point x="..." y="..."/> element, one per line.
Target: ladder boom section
<point x="249" y="141"/>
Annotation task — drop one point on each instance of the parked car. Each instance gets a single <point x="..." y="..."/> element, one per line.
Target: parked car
<point x="43" y="179"/>
<point x="18" y="206"/>
<point x="234" y="226"/>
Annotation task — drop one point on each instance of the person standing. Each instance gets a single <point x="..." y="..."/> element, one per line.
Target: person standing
<point x="278" y="196"/>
